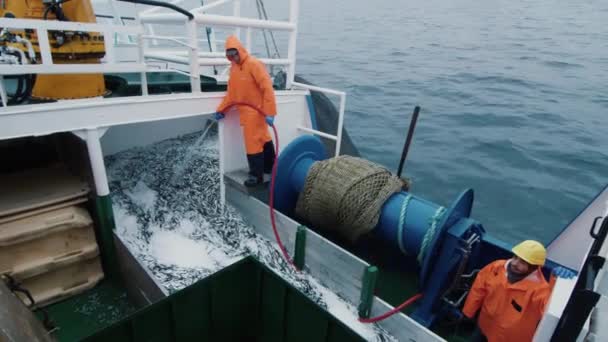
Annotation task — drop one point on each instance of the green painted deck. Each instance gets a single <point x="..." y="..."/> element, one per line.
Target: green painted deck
<point x="93" y="310"/>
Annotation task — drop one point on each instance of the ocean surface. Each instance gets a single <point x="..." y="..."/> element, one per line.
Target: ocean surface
<point x="513" y="94"/>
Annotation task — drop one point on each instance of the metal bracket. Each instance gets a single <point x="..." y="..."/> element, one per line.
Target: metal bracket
<point x="300" y="249"/>
<point x="82" y="134"/>
<point x="368" y="287"/>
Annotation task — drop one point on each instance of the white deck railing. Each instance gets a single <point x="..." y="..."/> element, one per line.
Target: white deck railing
<point x="111" y="63"/>
<point x="188" y="53"/>
<point x="338" y="136"/>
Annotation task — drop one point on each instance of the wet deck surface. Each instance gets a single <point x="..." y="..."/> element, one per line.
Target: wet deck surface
<point x="237" y="180"/>
<point x="84" y="314"/>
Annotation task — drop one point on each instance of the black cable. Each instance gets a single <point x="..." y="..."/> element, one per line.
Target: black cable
<point x="20" y="93"/>
<point x="29" y="87"/>
<point x="56" y="8"/>
<point x="14" y="286"/>
<point x="162" y="4"/>
<point x="46" y="12"/>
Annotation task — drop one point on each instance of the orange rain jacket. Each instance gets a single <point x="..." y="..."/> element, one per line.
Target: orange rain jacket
<point x="509" y="312"/>
<point x="250" y="83"/>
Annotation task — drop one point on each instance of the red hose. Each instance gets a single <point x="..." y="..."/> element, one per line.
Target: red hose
<point x="272" y="180"/>
<point x="387" y="314"/>
<point x="271" y="201"/>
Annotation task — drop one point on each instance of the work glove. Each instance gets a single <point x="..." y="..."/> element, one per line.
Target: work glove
<point x="270" y="120"/>
<point x="218" y="116"/>
<point x="458" y="315"/>
<point x="563" y="272"/>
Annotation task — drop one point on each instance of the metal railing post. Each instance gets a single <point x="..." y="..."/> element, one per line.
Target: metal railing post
<point x="103" y="202"/>
<point x="340" y="123"/>
<point x="236" y="11"/>
<point x="3" y="95"/>
<point x="195" y="82"/>
<point x="248" y="39"/>
<point x="293" y="36"/>
<point x="109" y="46"/>
<point x="45" y="47"/>
<point x="141" y="58"/>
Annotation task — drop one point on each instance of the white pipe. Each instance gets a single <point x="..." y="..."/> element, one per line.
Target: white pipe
<point x="109" y="46"/>
<point x="167" y="58"/>
<point x="236" y="12"/>
<point x="222" y="20"/>
<point x="213" y="40"/>
<point x="44" y="45"/>
<point x="319" y="133"/>
<point x="28" y="44"/>
<point x="319" y="89"/>
<point x="248" y="39"/>
<point x="195" y="82"/>
<point x="340" y="123"/>
<point x="210" y="6"/>
<point x="152" y="33"/>
<point x="55" y="69"/>
<point x="52" y="25"/>
<point x="97" y="164"/>
<point x="180" y="59"/>
<point x="184" y="53"/>
<point x="141" y="57"/>
<point x="156" y="9"/>
<point x="3" y="96"/>
<point x="224" y="61"/>
<point x="294" y="8"/>
<point x="175" y="40"/>
<point x="222" y="148"/>
<point x="20" y="52"/>
<point x="115" y="15"/>
<point x="219" y="20"/>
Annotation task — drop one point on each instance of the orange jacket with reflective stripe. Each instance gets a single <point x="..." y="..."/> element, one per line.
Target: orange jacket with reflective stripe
<point x="509" y="312"/>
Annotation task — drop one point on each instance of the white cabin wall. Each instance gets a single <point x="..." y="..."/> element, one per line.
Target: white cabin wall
<point x="124" y="137"/>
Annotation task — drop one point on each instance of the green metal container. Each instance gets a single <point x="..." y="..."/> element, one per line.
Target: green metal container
<point x="243" y="302"/>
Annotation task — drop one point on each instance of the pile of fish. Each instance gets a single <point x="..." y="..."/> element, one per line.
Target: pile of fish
<point x="167" y="208"/>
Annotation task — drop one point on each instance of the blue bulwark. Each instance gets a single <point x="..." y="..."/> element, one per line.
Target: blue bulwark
<point x="312" y="111"/>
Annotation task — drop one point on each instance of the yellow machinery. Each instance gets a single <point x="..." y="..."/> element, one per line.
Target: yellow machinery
<point x="66" y="46"/>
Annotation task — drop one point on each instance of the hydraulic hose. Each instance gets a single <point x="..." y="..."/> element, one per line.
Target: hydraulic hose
<point x="389" y="313"/>
<point x="272" y="182"/>
<point x="162" y="4"/>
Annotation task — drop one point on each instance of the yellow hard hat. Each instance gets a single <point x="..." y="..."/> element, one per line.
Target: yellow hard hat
<point x="533" y="252"/>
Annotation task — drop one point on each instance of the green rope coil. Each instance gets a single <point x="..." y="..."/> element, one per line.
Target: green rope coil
<point x="404" y="206"/>
<point x="430" y="234"/>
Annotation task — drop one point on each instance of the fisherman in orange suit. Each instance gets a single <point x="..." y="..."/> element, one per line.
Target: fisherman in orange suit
<point x="511" y="295"/>
<point x="250" y="84"/>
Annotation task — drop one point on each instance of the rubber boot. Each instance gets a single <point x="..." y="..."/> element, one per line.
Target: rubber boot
<point x="256" y="169"/>
<point x="269" y="156"/>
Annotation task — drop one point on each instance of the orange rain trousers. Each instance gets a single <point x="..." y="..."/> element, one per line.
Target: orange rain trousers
<point x="250" y="83"/>
<point x="509" y="312"/>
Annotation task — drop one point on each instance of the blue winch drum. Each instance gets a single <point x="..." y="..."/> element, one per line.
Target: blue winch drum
<point x="417" y="219"/>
